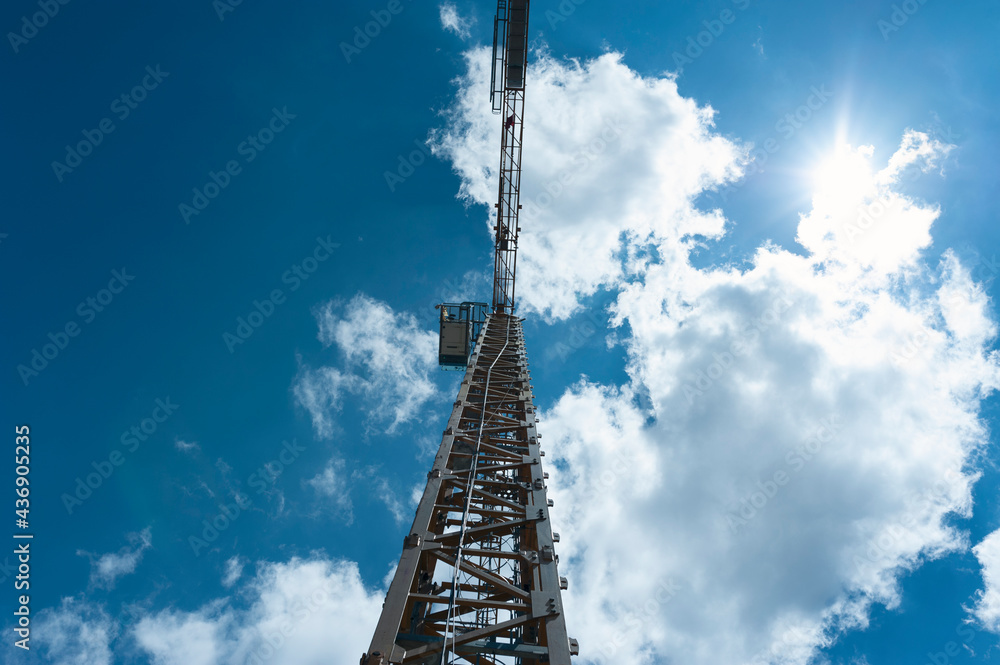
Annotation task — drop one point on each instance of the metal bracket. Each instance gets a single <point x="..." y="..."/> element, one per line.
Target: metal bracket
<point x="544" y="604"/>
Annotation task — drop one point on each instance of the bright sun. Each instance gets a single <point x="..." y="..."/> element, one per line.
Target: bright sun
<point x="844" y="175"/>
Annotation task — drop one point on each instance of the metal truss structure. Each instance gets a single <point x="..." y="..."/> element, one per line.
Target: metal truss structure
<point x="509" y="62"/>
<point x="478" y="578"/>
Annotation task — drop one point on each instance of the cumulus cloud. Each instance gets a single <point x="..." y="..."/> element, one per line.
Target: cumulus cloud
<point x="75" y="633"/>
<point x="608" y="155"/>
<point x="192" y="638"/>
<point x="859" y="219"/>
<point x="386" y="358"/>
<point x="803" y="432"/>
<point x="453" y="22"/>
<point x="987" y="608"/>
<point x="107" y="568"/>
<point x="794" y="434"/>
<point x="305" y="611"/>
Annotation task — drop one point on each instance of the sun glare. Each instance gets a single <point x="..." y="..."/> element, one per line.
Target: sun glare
<point x="844" y="175"/>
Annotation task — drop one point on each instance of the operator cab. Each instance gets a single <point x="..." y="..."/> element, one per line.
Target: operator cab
<point x="460" y="326"/>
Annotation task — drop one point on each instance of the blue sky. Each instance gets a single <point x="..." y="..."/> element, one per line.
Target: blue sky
<point x="813" y="182"/>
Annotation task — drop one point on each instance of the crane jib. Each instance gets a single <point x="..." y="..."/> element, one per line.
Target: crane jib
<point x="511" y="31"/>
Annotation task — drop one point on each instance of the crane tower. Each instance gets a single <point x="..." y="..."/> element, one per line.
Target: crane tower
<point x="477" y="579"/>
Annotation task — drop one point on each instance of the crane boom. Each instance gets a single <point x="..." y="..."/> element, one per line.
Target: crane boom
<point x="510" y="58"/>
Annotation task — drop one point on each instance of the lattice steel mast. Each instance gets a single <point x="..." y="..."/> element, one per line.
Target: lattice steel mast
<point x="478" y="577"/>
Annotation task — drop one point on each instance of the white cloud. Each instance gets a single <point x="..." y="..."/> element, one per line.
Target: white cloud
<point x="860" y="220"/>
<point x="793" y="435"/>
<point x="385" y="493"/>
<point x="313" y="611"/>
<point x="416" y="493"/>
<point x="106" y="569"/>
<point x="387" y="360"/>
<point x="75" y="633"/>
<point x="452" y="22"/>
<point x="987" y="609"/>
<point x="806" y="427"/>
<point x="184" y="638"/>
<point x="331" y="485"/>
<point x="186" y="446"/>
<point x="234" y="570"/>
<point x="321" y="392"/>
<point x="612" y="154"/>
<point x="304" y="612"/>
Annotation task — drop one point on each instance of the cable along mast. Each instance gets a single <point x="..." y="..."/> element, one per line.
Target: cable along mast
<point x="478" y="579"/>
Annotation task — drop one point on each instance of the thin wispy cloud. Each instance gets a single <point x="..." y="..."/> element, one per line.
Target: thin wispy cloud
<point x="187" y="446"/>
<point x="387" y="359"/>
<point x="234" y="570"/>
<point x="332" y="489"/>
<point x="106" y="569"/>
<point x="453" y="22"/>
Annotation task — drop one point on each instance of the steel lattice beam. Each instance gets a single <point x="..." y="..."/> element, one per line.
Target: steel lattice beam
<point x="509" y="196"/>
<point x="507" y="602"/>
